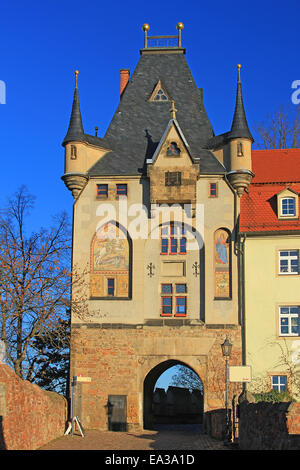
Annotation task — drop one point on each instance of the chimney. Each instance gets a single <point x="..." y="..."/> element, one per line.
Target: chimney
<point x="124" y="79"/>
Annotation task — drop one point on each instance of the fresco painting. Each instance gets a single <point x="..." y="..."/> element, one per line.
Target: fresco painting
<point x="222" y="263"/>
<point x="109" y="257"/>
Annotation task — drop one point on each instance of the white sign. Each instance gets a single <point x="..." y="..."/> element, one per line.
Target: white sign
<point x="79" y="378"/>
<point x="240" y="374"/>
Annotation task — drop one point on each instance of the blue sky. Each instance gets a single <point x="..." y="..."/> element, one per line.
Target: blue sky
<point x="43" y="43"/>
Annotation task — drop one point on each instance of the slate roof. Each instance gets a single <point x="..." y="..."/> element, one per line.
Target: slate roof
<point x="239" y="126"/>
<point x="138" y="125"/>
<point x="75" y="130"/>
<point x="275" y="170"/>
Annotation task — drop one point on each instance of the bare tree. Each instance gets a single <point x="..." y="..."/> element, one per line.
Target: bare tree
<point x="279" y="130"/>
<point x="35" y="280"/>
<point x="186" y="378"/>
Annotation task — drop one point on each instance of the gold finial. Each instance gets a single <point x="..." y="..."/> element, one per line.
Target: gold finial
<point x="239" y="71"/>
<point x="180" y="26"/>
<point x="173" y="110"/>
<point x="146" y="27"/>
<point x="76" y="77"/>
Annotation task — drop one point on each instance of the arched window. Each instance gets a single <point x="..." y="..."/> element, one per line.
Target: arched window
<point x="222" y="264"/>
<point x="73" y="152"/>
<point x="110" y="262"/>
<point x="240" y="151"/>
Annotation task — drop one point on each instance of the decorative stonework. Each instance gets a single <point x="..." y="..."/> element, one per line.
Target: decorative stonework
<point x="75" y="182"/>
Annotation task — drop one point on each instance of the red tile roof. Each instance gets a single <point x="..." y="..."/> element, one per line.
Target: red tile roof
<point x="274" y="171"/>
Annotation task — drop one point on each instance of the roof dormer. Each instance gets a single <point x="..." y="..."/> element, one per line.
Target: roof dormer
<point x="288" y="204"/>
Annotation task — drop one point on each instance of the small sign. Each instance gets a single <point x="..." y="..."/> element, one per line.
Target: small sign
<point x="240" y="374"/>
<point x="79" y="378"/>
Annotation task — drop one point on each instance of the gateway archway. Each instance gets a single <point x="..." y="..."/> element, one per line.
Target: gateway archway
<point x="177" y="405"/>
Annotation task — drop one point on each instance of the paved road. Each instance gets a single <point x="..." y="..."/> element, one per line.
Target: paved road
<point x="180" y="437"/>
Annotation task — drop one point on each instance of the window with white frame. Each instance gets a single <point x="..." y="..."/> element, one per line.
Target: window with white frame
<point x="289" y="262"/>
<point x="288" y="207"/>
<point x="279" y="383"/>
<point x="289" y="320"/>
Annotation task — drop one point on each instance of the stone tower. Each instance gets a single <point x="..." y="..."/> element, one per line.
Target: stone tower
<point x="154" y="229"/>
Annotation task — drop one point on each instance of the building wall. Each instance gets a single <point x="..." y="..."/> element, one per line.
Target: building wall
<point x="119" y="360"/>
<point x="266" y="290"/>
<point x="89" y="214"/>
<point x="118" y="342"/>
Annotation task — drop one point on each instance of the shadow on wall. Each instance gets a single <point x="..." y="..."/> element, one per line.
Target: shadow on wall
<point x="2" y="440"/>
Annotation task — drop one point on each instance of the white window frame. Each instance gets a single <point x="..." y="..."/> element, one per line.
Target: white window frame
<point x="279" y="385"/>
<point x="289" y="259"/>
<point x="289" y="316"/>
<point x="281" y="208"/>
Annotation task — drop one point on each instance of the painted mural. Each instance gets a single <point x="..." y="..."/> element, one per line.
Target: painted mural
<point x="109" y="260"/>
<point x="222" y="263"/>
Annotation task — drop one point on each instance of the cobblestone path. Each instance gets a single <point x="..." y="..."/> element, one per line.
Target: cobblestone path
<point x="184" y="437"/>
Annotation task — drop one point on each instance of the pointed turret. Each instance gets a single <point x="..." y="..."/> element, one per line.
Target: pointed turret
<point x="239" y="128"/>
<point x="74" y="178"/>
<point x="75" y="131"/>
<point x="240" y="141"/>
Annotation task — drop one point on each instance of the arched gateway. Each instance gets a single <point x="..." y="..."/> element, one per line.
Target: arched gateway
<point x="153" y="298"/>
<point x="177" y="405"/>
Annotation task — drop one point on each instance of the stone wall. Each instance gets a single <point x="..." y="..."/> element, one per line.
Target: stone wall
<point x="269" y="426"/>
<point x="127" y="360"/>
<point x="215" y="423"/>
<point x="177" y="405"/>
<point x="29" y="416"/>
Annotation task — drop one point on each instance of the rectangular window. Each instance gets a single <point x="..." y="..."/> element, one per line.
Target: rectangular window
<point x="213" y="190"/>
<point x="166" y="306"/>
<point x="102" y="190"/>
<point x="288" y="207"/>
<point x="173" y="245"/>
<point x="289" y="321"/>
<point x="172" y="241"/>
<point x="279" y="383"/>
<point x="171" y="303"/>
<point x="180" y="306"/>
<point x="180" y="289"/>
<point x="289" y="262"/>
<point x="111" y="287"/>
<point x="164" y="246"/>
<point x="166" y="288"/>
<point x="121" y="190"/>
<point x="182" y="246"/>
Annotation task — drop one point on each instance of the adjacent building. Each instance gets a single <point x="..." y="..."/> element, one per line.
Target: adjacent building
<point x="270" y="235"/>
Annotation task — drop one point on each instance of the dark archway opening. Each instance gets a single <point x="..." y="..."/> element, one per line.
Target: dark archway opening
<point x="173" y="403"/>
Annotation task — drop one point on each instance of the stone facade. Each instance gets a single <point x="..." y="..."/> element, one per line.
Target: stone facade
<point x="128" y="359"/>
